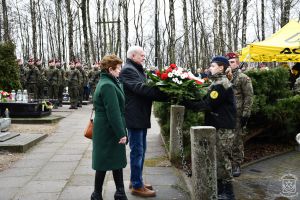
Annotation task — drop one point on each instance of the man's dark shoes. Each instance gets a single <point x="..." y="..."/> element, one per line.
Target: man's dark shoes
<point x="236" y="170"/>
<point x="96" y="196"/>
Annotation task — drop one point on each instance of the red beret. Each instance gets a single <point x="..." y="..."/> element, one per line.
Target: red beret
<point x="232" y="55"/>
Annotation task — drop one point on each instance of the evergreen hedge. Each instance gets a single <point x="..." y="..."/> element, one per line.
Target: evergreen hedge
<point x="9" y="71"/>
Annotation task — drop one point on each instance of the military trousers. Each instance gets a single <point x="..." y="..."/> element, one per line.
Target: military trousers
<point x="53" y="91"/>
<point x="60" y="93"/>
<point x="238" y="144"/>
<point x="73" y="93"/>
<point x="224" y="145"/>
<point x="32" y="90"/>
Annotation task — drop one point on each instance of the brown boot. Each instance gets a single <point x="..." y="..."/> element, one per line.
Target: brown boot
<point x="143" y="192"/>
<point x="148" y="186"/>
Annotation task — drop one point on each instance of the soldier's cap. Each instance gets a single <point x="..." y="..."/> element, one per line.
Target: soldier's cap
<point x="232" y="55"/>
<point x="221" y="59"/>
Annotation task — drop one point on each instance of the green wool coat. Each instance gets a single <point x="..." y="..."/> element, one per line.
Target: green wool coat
<point x="109" y="125"/>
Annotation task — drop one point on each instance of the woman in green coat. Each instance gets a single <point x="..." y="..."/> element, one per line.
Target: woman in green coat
<point x="109" y="133"/>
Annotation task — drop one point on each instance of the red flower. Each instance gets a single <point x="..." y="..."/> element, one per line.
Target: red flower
<point x="173" y="66"/>
<point x="157" y="72"/>
<point x="199" y="82"/>
<point x="164" y="76"/>
<point x="169" y="70"/>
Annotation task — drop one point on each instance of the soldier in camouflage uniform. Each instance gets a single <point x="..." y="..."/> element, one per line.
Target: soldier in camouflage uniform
<point x="42" y="81"/>
<point x="83" y="82"/>
<point x="22" y="73"/>
<point x="32" y="78"/>
<point x="52" y="77"/>
<point x="94" y="77"/>
<point x="220" y="112"/>
<point x="243" y="91"/>
<point x="73" y="76"/>
<point x="61" y="82"/>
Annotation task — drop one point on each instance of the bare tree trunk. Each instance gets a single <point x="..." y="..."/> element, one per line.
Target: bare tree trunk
<point x="244" y="25"/>
<point x="99" y="30"/>
<point x="125" y="5"/>
<point x="85" y="32"/>
<point x="215" y="28"/>
<point x="194" y="26"/>
<point x="236" y="25"/>
<point x="27" y="40"/>
<point x="58" y="22"/>
<point x="92" y="47"/>
<point x="21" y="32"/>
<point x="156" y="34"/>
<point x="263" y="20"/>
<point x="257" y="22"/>
<point x="187" y="54"/>
<point x="285" y="12"/>
<point x="6" y="35"/>
<point x="172" y="45"/>
<point x="229" y="22"/>
<point x="33" y="21"/>
<point x="70" y="30"/>
<point x="221" y="34"/>
<point x="104" y="50"/>
<point x="274" y="6"/>
<point x="79" y="35"/>
<point x="119" y="44"/>
<point x="41" y="35"/>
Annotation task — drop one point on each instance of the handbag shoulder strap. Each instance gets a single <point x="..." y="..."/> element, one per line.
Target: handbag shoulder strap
<point x="91" y="117"/>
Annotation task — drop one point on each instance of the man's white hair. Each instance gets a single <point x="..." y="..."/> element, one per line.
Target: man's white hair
<point x="132" y="50"/>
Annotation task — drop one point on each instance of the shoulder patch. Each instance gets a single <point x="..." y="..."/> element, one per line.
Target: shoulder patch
<point x="214" y="94"/>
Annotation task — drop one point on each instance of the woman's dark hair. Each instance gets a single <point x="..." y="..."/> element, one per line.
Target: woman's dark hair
<point x="110" y="61"/>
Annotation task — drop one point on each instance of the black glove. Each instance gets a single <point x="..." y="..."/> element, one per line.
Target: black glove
<point x="244" y="121"/>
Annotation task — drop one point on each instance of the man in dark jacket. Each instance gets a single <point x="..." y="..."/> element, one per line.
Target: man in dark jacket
<point x="139" y="99"/>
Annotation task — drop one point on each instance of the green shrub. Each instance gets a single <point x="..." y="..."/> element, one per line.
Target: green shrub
<point x="9" y="71"/>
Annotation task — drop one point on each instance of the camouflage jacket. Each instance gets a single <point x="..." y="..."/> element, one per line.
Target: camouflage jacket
<point x="52" y="76"/>
<point x="32" y="75"/>
<point x="94" y="77"/>
<point x="74" y="78"/>
<point x="61" y="76"/>
<point x="243" y="91"/>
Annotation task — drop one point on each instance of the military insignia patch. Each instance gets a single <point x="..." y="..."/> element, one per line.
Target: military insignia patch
<point x="214" y="94"/>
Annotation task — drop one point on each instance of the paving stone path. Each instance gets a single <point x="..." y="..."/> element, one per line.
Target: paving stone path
<point x="59" y="167"/>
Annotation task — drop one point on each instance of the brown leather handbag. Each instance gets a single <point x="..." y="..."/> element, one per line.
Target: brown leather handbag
<point x="88" y="132"/>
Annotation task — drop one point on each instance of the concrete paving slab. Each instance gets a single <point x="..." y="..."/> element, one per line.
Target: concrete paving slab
<point x="12" y="182"/>
<point x="22" y="142"/>
<point x="76" y="193"/>
<point x="37" y="196"/>
<point x="8" y="193"/>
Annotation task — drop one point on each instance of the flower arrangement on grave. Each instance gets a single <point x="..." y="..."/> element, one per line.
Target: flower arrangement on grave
<point x="5" y="96"/>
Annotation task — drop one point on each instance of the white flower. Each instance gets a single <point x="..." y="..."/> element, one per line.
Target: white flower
<point x="177" y="73"/>
<point x="170" y="74"/>
<point x="179" y="82"/>
<point x="184" y="76"/>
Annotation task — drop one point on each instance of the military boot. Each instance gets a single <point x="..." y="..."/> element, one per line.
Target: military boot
<point x="226" y="191"/>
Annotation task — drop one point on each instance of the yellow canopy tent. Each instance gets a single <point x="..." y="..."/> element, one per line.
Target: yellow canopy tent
<point x="282" y="46"/>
